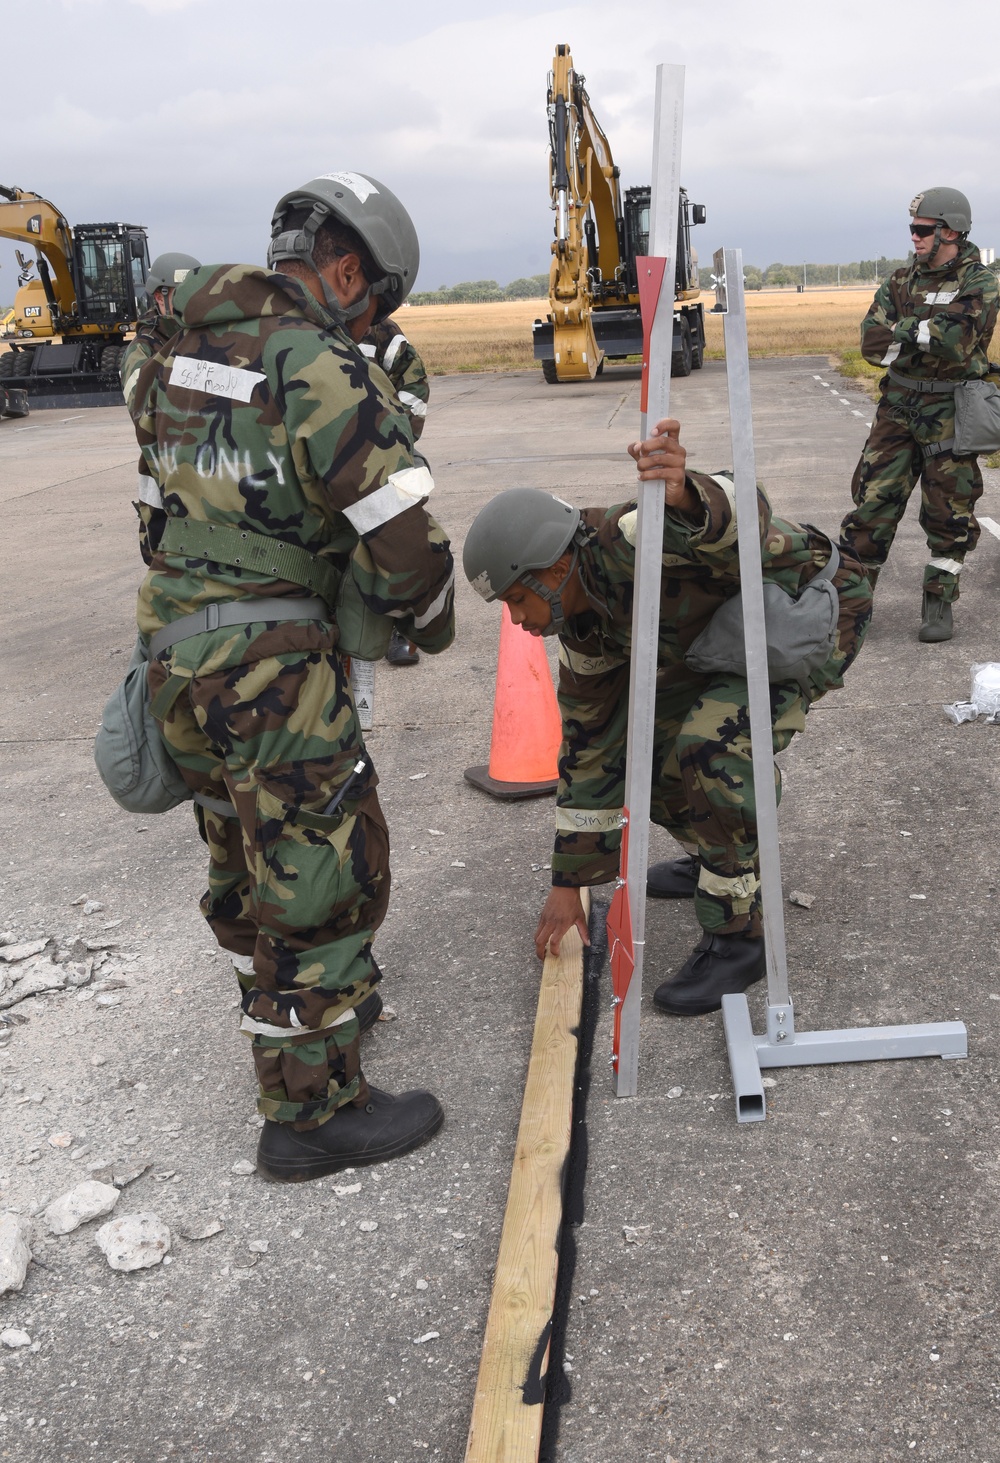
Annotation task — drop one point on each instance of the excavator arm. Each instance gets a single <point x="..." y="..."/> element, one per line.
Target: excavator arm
<point x="28" y="218"/>
<point x="586" y="198"/>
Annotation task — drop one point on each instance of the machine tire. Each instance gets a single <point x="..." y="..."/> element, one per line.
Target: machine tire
<point x="8" y="365"/>
<point x="681" y="361"/>
<point x="600" y="367"/>
<point x="110" y="357"/>
<point x="697" y="345"/>
<point x="549" y="372"/>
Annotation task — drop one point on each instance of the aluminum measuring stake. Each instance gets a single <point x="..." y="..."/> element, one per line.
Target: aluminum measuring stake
<point x="782" y="1046"/>
<point x="628" y="911"/>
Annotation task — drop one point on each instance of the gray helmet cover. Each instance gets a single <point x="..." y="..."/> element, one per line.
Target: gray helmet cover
<point x="948" y="205"/>
<point x="518" y="531"/>
<point x="168" y="270"/>
<point x="374" y="213"/>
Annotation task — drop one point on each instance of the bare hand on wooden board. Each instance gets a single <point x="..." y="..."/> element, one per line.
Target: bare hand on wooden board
<point x="662" y="456"/>
<point x="562" y="910"/>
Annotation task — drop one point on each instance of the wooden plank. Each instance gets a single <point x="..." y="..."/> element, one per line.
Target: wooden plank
<point x="507" y="1413"/>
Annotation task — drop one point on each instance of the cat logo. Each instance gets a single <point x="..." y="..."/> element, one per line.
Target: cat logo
<point x="34" y="224"/>
<point x="32" y="312"/>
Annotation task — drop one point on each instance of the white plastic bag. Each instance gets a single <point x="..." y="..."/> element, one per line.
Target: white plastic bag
<point x="986" y="688"/>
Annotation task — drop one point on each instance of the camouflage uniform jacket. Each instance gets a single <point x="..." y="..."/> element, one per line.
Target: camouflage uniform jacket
<point x="934" y="322"/>
<point x="388" y="347"/>
<point x="261" y="415"/>
<point x="152" y="331"/>
<point x="700" y="572"/>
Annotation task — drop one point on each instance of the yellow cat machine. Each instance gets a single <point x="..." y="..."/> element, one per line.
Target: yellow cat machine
<point x="593" y="288"/>
<point x="67" y="335"/>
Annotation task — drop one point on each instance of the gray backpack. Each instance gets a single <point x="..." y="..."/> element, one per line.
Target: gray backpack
<point x="131" y="755"/>
<point x="977" y="418"/>
<point x="801" y="631"/>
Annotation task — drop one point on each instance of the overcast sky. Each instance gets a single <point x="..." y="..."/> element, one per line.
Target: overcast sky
<point x="807" y="128"/>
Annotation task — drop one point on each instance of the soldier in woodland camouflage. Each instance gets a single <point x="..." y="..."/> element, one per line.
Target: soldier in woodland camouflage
<point x="388" y="348"/>
<point x="276" y="456"/>
<point x="582" y="583"/>
<point x="930" y="325"/>
<point x="159" y="324"/>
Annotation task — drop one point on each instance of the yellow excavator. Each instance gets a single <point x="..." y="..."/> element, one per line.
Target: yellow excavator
<point x="593" y="287"/>
<point x="89" y="292"/>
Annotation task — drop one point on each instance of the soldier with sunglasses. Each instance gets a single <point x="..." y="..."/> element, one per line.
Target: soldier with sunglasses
<point x="930" y="325"/>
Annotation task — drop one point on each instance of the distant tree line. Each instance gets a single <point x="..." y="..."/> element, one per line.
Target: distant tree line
<point x="484" y="291"/>
<point x="859" y="271"/>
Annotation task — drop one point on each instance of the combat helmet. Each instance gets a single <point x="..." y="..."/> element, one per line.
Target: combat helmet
<point x="518" y="531"/>
<point x="168" y="270"/>
<point x="378" y="218"/>
<point x="947" y="205"/>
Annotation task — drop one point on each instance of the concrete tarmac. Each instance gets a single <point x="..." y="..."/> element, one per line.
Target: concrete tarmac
<point x="821" y="1285"/>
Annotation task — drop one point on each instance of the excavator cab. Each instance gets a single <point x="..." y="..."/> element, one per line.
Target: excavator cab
<point x="112" y="261"/>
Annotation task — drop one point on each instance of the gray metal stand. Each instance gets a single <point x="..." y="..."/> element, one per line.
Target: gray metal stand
<point x="782" y="1046"/>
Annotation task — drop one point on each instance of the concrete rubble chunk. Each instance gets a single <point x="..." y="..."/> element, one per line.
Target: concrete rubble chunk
<point x="92" y="906"/>
<point x="14" y="1338"/>
<point x="202" y="1231"/>
<point x="12" y="953"/>
<point x="127" y="1173"/>
<point x="15" y="1250"/>
<point x="243" y="1167"/>
<point x="804" y="901"/>
<point x="78" y="972"/>
<point x="134" y="1241"/>
<point x="42" y="976"/>
<point x="636" y="1234"/>
<point x="7" y="937"/>
<point x="89" y="1200"/>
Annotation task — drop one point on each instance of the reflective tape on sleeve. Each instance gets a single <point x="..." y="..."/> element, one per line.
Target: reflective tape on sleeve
<point x="413" y="403"/>
<point x="892" y="353"/>
<point x="367" y="349"/>
<point x="946" y="566"/>
<point x="588" y="820"/>
<point x="392" y="350"/>
<point x="741" y="886"/>
<point x="924" y="333"/>
<point x="148" y="491"/>
<point x="433" y="610"/>
<point x="402" y="490"/>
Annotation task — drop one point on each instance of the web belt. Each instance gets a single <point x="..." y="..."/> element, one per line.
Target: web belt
<point x="240" y="549"/>
<point x="236" y="612"/>
<point x="928" y="388"/>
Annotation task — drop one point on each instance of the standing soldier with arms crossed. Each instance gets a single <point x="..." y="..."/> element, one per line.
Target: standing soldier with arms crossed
<point x="283" y="466"/>
<point x="930" y="325"/>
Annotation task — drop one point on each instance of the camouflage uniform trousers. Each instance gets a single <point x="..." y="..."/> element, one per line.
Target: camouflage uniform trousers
<point x="300" y="891"/>
<point x="891" y="463"/>
<point x="703" y="789"/>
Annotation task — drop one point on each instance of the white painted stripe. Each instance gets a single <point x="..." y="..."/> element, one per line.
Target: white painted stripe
<point x="264" y="1028"/>
<point x="213" y="378"/>
<point x="413" y="404"/>
<point x="402" y="491"/>
<point x="588" y="820"/>
<point x="148" y="491"/>
<point x="991" y="525"/>
<point x="857" y="413"/>
<point x="393" y="349"/>
<point x="867" y="424"/>
<point x="817" y="378"/>
<point x="845" y="401"/>
<point x="419" y="621"/>
<point x="946" y="566"/>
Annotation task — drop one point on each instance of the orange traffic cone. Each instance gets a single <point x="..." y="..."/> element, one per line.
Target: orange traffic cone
<point x="527" y="727"/>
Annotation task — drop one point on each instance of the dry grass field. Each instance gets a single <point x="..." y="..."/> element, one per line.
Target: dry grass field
<point x="498" y="337"/>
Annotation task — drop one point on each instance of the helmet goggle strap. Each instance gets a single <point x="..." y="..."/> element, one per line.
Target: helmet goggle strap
<point x="553" y="596"/>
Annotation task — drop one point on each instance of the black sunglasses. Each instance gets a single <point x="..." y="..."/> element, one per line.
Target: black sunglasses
<point x="922" y="231"/>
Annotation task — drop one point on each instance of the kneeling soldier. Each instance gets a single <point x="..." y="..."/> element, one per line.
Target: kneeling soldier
<point x="570" y="573"/>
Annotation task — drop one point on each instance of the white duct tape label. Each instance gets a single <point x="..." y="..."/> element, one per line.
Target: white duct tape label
<point x="402" y="490"/>
<point x="148" y="491"/>
<point x="588" y="820"/>
<point x="213" y="378"/>
<point x="362" y="188"/>
<point x="588" y="665"/>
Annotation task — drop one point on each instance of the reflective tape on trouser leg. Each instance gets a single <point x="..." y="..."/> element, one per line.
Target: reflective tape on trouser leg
<point x="304" y="1079"/>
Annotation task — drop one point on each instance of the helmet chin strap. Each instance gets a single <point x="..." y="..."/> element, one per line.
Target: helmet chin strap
<point x="938" y="225"/>
<point x="299" y="243"/>
<point x="553" y="596"/>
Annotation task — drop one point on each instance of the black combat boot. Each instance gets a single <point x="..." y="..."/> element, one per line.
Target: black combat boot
<point x="675" y="878"/>
<point x="368" y="1011"/>
<point x="719" y="965"/>
<point x="401" y="651"/>
<point x="386" y="1127"/>
<point x="936" y="624"/>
